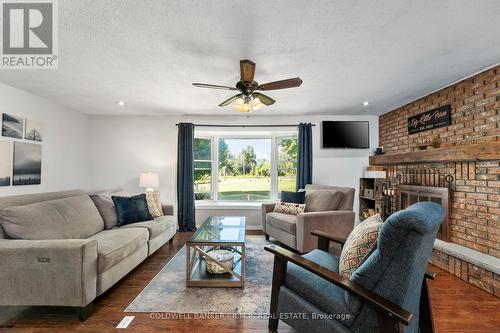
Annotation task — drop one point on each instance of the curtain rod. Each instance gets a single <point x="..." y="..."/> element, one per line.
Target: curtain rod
<point x="268" y="125"/>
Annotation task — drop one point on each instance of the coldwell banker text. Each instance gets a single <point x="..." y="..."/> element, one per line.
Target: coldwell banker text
<point x="29" y="34"/>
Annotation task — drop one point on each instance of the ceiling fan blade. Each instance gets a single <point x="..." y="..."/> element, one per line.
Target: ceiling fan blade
<point x="230" y="100"/>
<point x="282" y="84"/>
<point x="213" y="86"/>
<point x="264" y="99"/>
<point x="247" y="69"/>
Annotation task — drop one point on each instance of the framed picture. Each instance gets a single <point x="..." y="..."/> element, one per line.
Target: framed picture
<point x="12" y="126"/>
<point x="27" y="164"/>
<point x="34" y="130"/>
<point x="5" y="162"/>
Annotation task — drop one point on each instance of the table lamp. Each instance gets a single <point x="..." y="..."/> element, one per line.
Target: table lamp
<point x="149" y="180"/>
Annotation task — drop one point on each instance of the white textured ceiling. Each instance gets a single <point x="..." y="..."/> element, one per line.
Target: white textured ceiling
<point x="149" y="52"/>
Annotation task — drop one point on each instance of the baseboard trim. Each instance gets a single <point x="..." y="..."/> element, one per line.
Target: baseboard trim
<point x="253" y="227"/>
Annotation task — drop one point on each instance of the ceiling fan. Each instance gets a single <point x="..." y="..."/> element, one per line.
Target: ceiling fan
<point x="248" y="98"/>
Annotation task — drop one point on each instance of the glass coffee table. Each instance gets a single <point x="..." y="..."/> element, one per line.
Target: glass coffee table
<point x="217" y="232"/>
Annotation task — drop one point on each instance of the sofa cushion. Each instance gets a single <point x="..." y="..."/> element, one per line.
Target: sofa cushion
<point x="106" y="207"/>
<point x="324" y="295"/>
<point x="285" y="222"/>
<point x="323" y="200"/>
<point x="68" y="218"/>
<point x="27" y="199"/>
<point x="115" y="245"/>
<point x="359" y="245"/>
<point x="347" y="194"/>
<point x="155" y="227"/>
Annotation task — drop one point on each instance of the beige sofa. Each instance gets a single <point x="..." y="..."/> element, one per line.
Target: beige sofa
<point x="56" y="250"/>
<point x="328" y="208"/>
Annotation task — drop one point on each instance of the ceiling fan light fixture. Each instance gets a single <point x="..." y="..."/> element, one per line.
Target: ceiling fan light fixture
<point x="250" y="97"/>
<point x="257" y="104"/>
<point x="248" y="104"/>
<point x="239" y="103"/>
<point x="243" y="107"/>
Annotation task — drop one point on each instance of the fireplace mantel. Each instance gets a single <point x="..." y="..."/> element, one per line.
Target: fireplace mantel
<point x="486" y="151"/>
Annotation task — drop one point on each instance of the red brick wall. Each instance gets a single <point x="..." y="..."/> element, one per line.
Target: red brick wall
<point x="475" y="114"/>
<point x="475" y="103"/>
<point x="481" y="278"/>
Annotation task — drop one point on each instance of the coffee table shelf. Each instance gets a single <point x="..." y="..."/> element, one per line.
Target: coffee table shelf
<point x="216" y="232"/>
<point x="201" y="278"/>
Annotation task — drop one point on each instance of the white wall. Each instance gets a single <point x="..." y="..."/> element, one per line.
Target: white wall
<point x="64" y="146"/>
<point x="95" y="152"/>
<point x="124" y="146"/>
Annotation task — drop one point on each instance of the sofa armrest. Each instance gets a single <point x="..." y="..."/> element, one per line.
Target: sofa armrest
<point x="266" y="208"/>
<point x="339" y="223"/>
<point x="59" y="272"/>
<point x="168" y="209"/>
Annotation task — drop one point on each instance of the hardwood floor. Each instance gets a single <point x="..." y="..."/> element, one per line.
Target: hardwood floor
<point x="458" y="307"/>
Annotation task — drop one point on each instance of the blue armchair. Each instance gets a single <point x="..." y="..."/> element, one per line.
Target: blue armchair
<point x="387" y="293"/>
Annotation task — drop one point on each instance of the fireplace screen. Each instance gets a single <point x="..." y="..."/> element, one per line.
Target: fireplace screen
<point x="410" y="194"/>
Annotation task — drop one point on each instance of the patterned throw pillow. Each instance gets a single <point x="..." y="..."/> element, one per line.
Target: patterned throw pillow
<point x="289" y="208"/>
<point x="154" y="203"/>
<point x="359" y="244"/>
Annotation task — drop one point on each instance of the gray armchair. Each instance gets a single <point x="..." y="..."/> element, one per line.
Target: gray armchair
<point x="387" y="293"/>
<point x="294" y="231"/>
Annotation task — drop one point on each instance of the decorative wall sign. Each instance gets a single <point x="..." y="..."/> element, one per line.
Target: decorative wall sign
<point x="439" y="117"/>
<point x="12" y="126"/>
<point x="27" y="164"/>
<point x="5" y="162"/>
<point x="34" y="130"/>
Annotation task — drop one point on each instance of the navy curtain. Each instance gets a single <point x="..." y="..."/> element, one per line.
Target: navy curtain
<point x="304" y="158"/>
<point x="185" y="177"/>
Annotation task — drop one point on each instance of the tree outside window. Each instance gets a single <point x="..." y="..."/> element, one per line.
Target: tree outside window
<point x="245" y="168"/>
<point x="287" y="164"/>
<point x="202" y="169"/>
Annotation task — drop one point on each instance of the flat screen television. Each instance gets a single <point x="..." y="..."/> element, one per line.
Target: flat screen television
<point x="345" y="134"/>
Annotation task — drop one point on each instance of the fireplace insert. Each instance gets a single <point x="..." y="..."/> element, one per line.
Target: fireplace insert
<point x="410" y="194"/>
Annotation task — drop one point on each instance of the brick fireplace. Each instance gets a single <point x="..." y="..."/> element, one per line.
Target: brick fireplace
<point x="410" y="194"/>
<point x="468" y="164"/>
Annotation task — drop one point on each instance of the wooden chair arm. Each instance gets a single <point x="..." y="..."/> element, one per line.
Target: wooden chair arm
<point x="324" y="239"/>
<point x="381" y="304"/>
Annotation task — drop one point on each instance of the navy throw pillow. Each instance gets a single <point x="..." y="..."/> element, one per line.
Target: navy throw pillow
<point x="131" y="209"/>
<point x="293" y="197"/>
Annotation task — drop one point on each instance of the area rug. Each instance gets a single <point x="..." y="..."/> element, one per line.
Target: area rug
<point x="167" y="292"/>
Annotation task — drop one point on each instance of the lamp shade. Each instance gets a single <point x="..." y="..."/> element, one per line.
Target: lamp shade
<point x="149" y="180"/>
